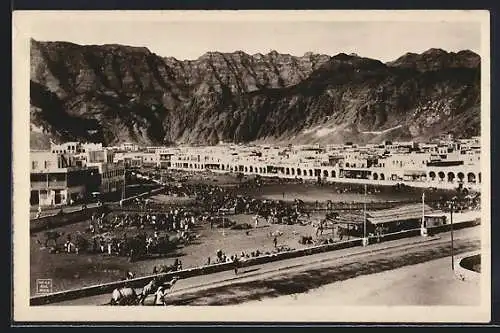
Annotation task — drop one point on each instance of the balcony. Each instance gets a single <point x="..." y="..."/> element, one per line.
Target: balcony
<point x="49" y="185"/>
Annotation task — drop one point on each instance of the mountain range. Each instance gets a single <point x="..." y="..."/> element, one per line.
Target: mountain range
<point x="116" y="93"/>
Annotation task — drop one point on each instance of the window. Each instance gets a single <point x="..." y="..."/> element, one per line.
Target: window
<point x="34" y="165"/>
<point x="47" y="164"/>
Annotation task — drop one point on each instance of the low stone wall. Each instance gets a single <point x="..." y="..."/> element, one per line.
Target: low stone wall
<point x="142" y="195"/>
<point x="53" y="221"/>
<point x="59" y="220"/>
<point x="186" y="273"/>
<point x="463" y="272"/>
<point x="394" y="236"/>
<point x="456" y="226"/>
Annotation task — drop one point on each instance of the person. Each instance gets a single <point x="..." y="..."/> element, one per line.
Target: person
<point x="148" y="289"/>
<point x="275" y="241"/>
<point x="160" y="296"/>
<point x="155" y="270"/>
<point x="236" y="265"/>
<point x="67" y="247"/>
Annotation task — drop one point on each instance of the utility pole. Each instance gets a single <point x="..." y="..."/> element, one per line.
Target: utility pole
<point x="365" y="240"/>
<point x="124" y="183"/>
<point x="223" y="226"/>
<point x="452" y="206"/>
<point x="423" y="229"/>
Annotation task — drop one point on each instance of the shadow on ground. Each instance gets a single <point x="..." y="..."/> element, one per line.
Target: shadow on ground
<point x="302" y="282"/>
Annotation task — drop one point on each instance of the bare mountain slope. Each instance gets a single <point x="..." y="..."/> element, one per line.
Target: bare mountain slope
<point x="115" y="93"/>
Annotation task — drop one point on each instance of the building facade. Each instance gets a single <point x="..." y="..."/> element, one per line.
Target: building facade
<point x="56" y="181"/>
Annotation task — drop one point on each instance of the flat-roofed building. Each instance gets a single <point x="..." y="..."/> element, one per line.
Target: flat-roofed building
<point x="55" y="180"/>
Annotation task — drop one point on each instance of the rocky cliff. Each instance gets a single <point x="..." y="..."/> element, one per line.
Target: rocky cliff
<point x="115" y="93"/>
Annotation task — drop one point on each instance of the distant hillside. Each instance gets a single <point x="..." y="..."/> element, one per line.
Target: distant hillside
<point x="115" y="93"/>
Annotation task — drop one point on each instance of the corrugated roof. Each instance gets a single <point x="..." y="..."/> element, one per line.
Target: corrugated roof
<point x="398" y="210"/>
<point x="349" y="218"/>
<point x="394" y="218"/>
<point x="407" y="212"/>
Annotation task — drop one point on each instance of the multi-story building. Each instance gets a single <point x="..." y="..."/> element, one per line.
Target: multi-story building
<point x="150" y="159"/>
<point x="112" y="175"/>
<point x="73" y="148"/>
<point x="165" y="157"/>
<point x="131" y="160"/>
<point x="128" y="146"/>
<point x="72" y="171"/>
<point x="66" y="148"/>
<point x="56" y="180"/>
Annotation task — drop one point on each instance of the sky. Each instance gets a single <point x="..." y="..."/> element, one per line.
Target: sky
<point x="383" y="40"/>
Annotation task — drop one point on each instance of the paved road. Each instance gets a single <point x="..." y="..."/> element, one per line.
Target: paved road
<point x="259" y="280"/>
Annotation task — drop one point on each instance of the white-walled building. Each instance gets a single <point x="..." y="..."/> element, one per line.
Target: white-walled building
<point x="56" y="180"/>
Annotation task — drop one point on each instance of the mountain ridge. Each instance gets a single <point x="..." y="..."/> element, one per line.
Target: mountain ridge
<point x="113" y="93"/>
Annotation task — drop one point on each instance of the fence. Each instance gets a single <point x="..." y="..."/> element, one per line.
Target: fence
<point x="214" y="268"/>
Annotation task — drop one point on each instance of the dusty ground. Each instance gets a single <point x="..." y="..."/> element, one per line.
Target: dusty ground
<point x="71" y="270"/>
<point x="429" y="283"/>
<point x="309" y="191"/>
<point x="313" y="192"/>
